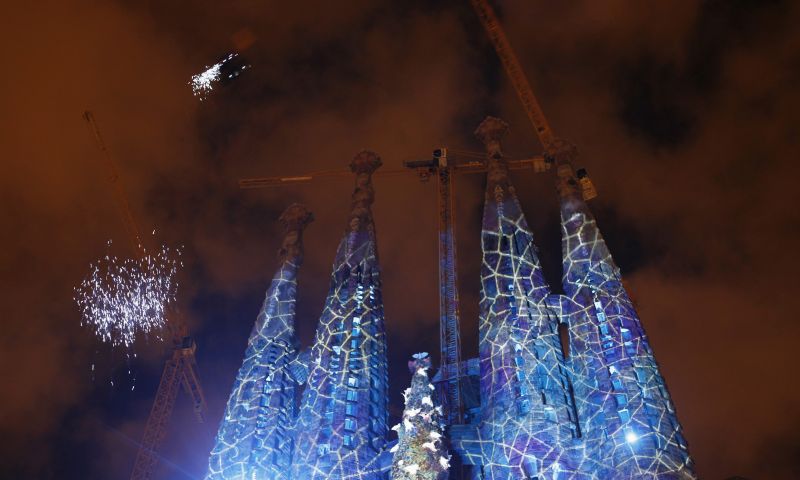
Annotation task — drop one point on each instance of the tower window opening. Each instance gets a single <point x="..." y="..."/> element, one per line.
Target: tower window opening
<point x="531" y="469"/>
<point x="604" y="329"/>
<point x="624" y="415"/>
<point x="563" y="336"/>
<point x="349" y="424"/>
<point x="626" y="334"/>
<point x="550" y="414"/>
<point x="617" y="384"/>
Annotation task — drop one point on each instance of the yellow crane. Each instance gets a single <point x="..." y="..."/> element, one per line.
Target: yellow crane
<point x="181" y="367"/>
<point x="555" y="148"/>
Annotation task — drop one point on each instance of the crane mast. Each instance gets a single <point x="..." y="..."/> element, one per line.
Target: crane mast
<point x="449" y="317"/>
<point x="181" y="367"/>
<point x="449" y="324"/>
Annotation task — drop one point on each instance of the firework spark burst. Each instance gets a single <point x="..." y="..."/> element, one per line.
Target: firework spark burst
<point x="203" y="82"/>
<point x="122" y="299"/>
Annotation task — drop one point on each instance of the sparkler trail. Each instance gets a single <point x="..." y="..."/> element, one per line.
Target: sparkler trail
<point x="121" y="299"/>
<point x="203" y="82"/>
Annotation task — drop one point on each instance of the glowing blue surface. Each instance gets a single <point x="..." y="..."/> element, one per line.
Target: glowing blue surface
<point x="603" y="412"/>
<point x="342" y="426"/>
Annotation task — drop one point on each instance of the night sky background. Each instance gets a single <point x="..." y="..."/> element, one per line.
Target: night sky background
<point x="686" y="115"/>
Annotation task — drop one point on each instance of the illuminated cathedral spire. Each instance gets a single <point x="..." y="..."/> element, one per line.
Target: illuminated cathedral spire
<point x="629" y="424"/>
<point x="254" y="438"/>
<point x="341" y="428"/>
<point x="528" y="417"/>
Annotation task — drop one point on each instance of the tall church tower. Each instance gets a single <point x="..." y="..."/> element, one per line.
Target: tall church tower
<point x="627" y="419"/>
<point x="342" y="425"/>
<point x="254" y="439"/>
<point x="528" y="416"/>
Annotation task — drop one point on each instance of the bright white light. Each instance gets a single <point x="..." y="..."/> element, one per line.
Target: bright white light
<point x="121" y="299"/>
<point x="203" y="82"/>
<point x="631" y="437"/>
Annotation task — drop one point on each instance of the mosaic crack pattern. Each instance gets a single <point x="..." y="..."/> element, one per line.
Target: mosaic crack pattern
<point x="255" y="436"/>
<point x="342" y="426"/>
<point x="602" y="413"/>
<point x="629" y="423"/>
<point x="528" y="417"/>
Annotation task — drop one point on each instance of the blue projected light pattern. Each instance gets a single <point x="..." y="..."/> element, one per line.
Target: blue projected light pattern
<point x="342" y="426"/>
<point x="629" y="422"/>
<point x="255" y="437"/>
<point x="527" y="408"/>
<point x="603" y="412"/>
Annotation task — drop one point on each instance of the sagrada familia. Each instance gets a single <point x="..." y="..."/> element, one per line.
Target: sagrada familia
<point x="602" y="411"/>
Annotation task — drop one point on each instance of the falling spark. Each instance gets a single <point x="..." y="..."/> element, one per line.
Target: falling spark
<point x="203" y="82"/>
<point x="122" y="299"/>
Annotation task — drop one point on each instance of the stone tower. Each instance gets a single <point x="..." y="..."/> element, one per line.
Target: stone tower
<point x="628" y="422"/>
<point x="528" y="417"/>
<point x="255" y="438"/>
<point x="342" y="425"/>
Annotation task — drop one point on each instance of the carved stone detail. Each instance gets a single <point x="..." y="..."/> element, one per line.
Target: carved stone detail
<point x="490" y="132"/>
<point x="294" y="219"/>
<point x="363" y="165"/>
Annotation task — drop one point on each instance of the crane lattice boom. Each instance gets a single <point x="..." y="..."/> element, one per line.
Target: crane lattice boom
<point x="512" y="67"/>
<point x="181" y="367"/>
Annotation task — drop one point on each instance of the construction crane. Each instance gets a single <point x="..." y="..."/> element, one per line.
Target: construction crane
<point x="181" y="367"/>
<point x="443" y="169"/>
<point x="449" y="317"/>
<point x="555" y="149"/>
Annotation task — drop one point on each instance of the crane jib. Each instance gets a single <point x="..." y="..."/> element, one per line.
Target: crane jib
<point x="514" y="71"/>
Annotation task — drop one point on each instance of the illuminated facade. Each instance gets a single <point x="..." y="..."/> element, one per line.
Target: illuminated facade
<point x="342" y="425"/>
<point x="629" y="425"/>
<point x="339" y="428"/>
<point x="599" y="412"/>
<point x="527" y="409"/>
<point x="255" y="436"/>
<point x="602" y="412"/>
